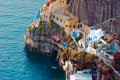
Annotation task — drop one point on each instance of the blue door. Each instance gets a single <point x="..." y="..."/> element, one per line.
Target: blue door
<point x="73" y="34"/>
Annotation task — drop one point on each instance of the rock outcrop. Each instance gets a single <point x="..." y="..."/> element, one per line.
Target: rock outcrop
<point x="110" y="26"/>
<point x="41" y="41"/>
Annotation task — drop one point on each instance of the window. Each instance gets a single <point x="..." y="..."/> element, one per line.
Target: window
<point x="53" y="16"/>
<point x="64" y="21"/>
<point x="44" y="15"/>
<point x="57" y="18"/>
<point x="78" y="26"/>
<point x="73" y="26"/>
<point x="66" y="25"/>
<point x="60" y="20"/>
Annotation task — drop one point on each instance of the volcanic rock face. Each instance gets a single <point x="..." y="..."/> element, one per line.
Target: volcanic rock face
<point x="110" y="26"/>
<point x="92" y="12"/>
<point x="41" y="41"/>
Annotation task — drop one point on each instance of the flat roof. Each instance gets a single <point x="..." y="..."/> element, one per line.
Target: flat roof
<point x="65" y="17"/>
<point x="83" y="76"/>
<point x="56" y="38"/>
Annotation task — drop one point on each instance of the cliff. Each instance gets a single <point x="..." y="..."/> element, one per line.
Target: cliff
<point x="91" y="12"/>
<point x="110" y="26"/>
<point x="39" y="39"/>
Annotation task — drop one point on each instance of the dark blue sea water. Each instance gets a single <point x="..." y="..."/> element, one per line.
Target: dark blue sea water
<point x="15" y="62"/>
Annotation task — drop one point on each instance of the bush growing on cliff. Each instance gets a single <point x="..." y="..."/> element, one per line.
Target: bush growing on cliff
<point x="89" y="58"/>
<point x="54" y="25"/>
<point x="49" y="25"/>
<point x="62" y="29"/>
<point x="31" y="29"/>
<point x="34" y="29"/>
<point x="40" y="27"/>
<point x="72" y="43"/>
<point x="64" y="56"/>
<point x="40" y="17"/>
<point x="100" y="60"/>
<point x="67" y="36"/>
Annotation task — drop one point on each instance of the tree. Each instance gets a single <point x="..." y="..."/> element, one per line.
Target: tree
<point x="67" y="36"/>
<point x="100" y="60"/>
<point x="72" y="43"/>
<point x="49" y="25"/>
<point x="78" y="38"/>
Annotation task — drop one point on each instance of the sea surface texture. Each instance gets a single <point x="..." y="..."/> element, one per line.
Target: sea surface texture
<point x="15" y="62"/>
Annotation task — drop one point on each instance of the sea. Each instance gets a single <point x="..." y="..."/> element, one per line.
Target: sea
<point x="16" y="63"/>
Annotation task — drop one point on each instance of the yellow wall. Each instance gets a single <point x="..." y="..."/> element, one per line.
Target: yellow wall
<point x="63" y="1"/>
<point x="46" y="16"/>
<point x="66" y="22"/>
<point x="85" y="28"/>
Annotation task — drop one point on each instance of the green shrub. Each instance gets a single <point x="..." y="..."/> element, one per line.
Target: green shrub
<point x="40" y="17"/>
<point x="62" y="29"/>
<point x="78" y="38"/>
<point x="54" y="25"/>
<point x="30" y="29"/>
<point x="40" y="27"/>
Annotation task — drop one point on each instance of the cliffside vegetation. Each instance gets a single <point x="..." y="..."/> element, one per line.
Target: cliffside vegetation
<point x="82" y="59"/>
<point x="52" y="24"/>
<point x="39" y="28"/>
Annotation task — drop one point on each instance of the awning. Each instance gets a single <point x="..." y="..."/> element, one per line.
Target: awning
<point x="56" y="38"/>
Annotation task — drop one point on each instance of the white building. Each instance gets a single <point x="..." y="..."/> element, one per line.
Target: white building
<point x="81" y="76"/>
